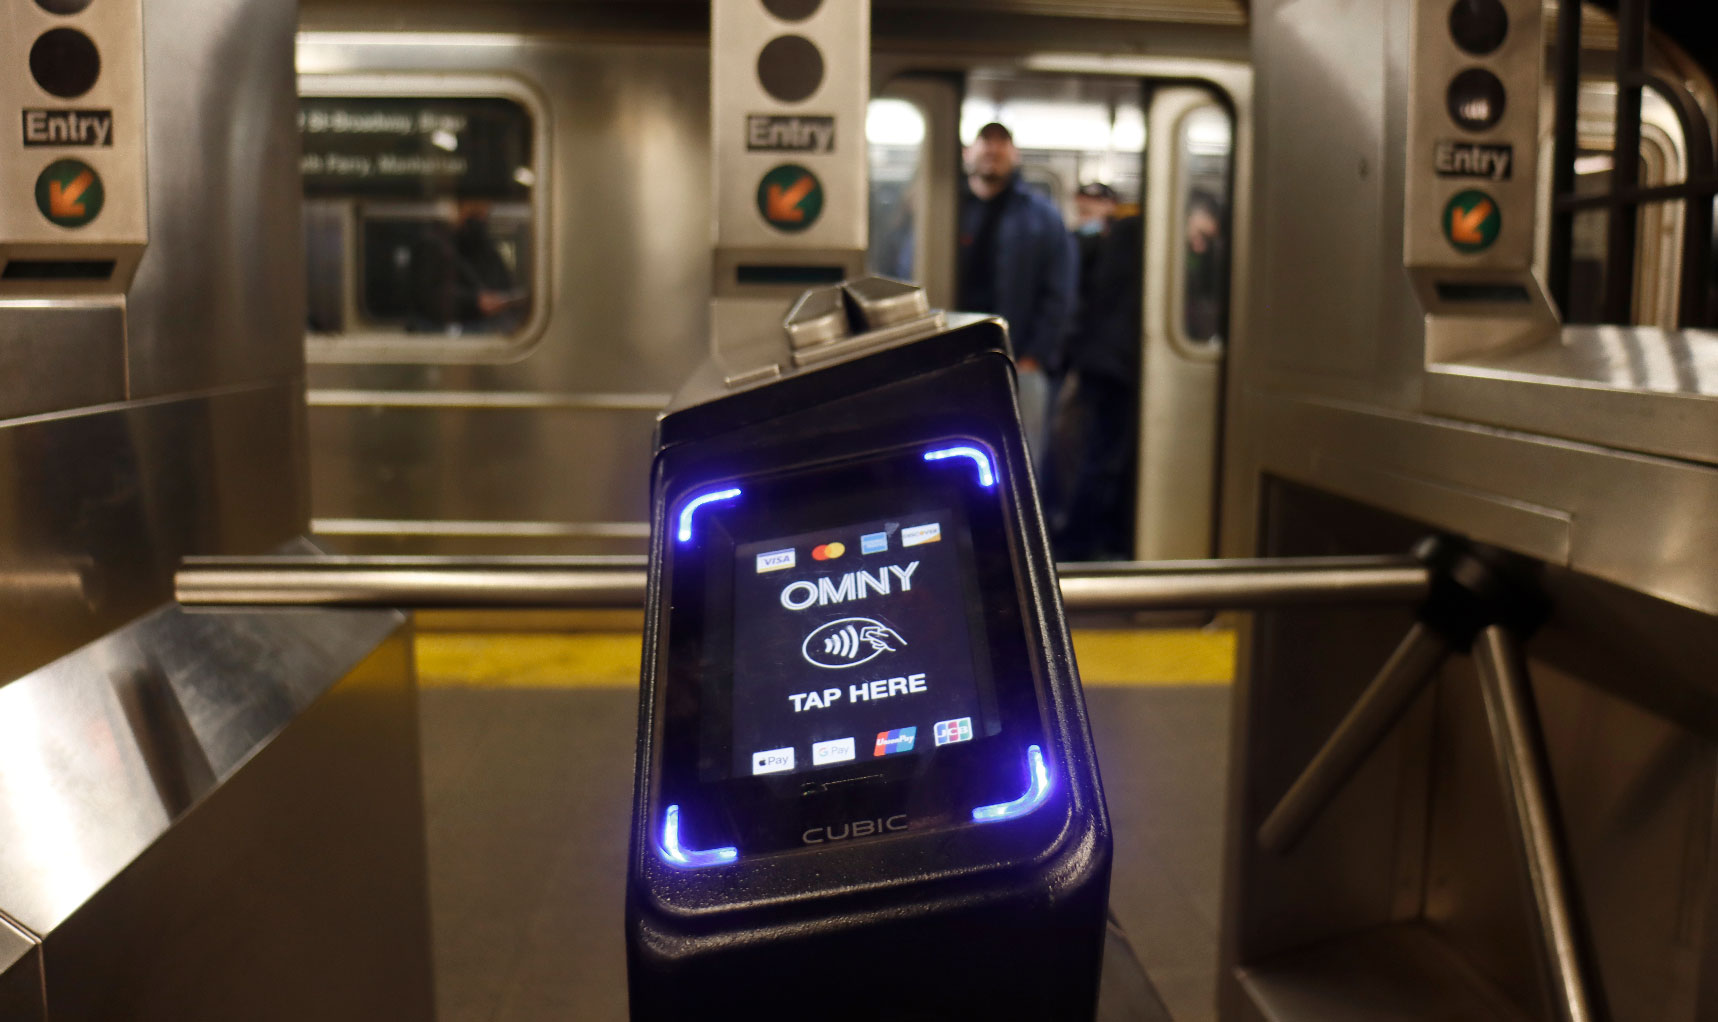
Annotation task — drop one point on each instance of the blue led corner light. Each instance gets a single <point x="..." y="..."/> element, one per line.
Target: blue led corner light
<point x="986" y="473"/>
<point x="685" y="533"/>
<point x="689" y="858"/>
<point x="1037" y="792"/>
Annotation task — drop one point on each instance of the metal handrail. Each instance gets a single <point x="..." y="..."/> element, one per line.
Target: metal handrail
<point x="292" y="580"/>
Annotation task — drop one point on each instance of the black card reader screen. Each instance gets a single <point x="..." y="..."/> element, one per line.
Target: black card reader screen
<point x="856" y="643"/>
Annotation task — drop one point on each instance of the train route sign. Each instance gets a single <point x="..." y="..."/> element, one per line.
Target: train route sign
<point x="1471" y="220"/>
<point x="790" y="198"/>
<point x="69" y="193"/>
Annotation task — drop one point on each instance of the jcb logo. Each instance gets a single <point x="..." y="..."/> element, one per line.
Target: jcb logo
<point x="857" y="828"/>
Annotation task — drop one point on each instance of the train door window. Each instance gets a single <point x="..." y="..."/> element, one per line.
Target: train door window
<point x="424" y="233"/>
<point x="1658" y="227"/>
<point x="1203" y="155"/>
<point x="1628" y="235"/>
<point x="895" y="137"/>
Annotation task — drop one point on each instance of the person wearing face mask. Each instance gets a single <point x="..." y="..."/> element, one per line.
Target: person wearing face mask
<point x="1017" y="262"/>
<point x="1097" y="427"/>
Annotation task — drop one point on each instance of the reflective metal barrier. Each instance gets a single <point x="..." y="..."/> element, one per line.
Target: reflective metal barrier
<point x="619" y="582"/>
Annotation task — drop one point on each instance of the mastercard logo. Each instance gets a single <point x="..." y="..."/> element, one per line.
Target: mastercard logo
<point x="828" y="551"/>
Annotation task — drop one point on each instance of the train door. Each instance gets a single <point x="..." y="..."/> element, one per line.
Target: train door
<point x="1185" y="322"/>
<point x="1167" y="151"/>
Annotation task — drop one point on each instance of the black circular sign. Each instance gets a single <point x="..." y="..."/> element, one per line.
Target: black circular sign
<point x="790" y="68"/>
<point x="788" y="10"/>
<point x="62" y="6"/>
<point x="1475" y="99"/>
<point x="1478" y="26"/>
<point x="65" y="62"/>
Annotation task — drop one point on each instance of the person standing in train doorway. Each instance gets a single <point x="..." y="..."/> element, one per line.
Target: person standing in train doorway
<point x="1097" y="421"/>
<point x="1017" y="261"/>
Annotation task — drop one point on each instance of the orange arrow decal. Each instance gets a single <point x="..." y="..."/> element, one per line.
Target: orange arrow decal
<point x="63" y="201"/>
<point x="1464" y="227"/>
<point x="783" y="203"/>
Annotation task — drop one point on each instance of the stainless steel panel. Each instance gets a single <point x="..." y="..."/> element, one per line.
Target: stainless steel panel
<point x="1634" y="388"/>
<point x="219" y="297"/>
<point x="104" y="749"/>
<point x="1643" y="522"/>
<point x="99" y="507"/>
<point x="62" y="354"/>
<point x="512" y="467"/>
<point x="1322" y="173"/>
<point x="20" y="976"/>
<point x="219" y="816"/>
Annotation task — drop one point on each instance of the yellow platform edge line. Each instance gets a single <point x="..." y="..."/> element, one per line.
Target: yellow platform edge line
<point x="610" y="659"/>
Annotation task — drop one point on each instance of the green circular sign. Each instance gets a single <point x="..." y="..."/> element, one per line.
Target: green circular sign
<point x="790" y="198"/>
<point x="1472" y="220"/>
<point x="69" y="193"/>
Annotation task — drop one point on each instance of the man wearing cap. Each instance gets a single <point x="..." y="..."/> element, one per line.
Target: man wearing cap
<point x="1017" y="261"/>
<point x="1092" y="519"/>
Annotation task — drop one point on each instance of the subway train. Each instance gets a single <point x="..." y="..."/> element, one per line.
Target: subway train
<point x="410" y="419"/>
<point x="508" y="513"/>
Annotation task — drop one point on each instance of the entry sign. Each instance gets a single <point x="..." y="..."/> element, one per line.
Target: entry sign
<point x="1474" y="159"/>
<point x="790" y="197"/>
<point x="1472" y="220"/>
<point x="69" y="193"/>
<point x="68" y="127"/>
<point x="790" y="133"/>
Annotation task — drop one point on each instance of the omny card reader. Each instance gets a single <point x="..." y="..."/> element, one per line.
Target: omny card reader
<point x="866" y="782"/>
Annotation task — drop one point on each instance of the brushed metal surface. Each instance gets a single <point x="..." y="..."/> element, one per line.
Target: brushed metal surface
<point x="509" y="465"/>
<point x="61" y="354"/>
<point x="219" y="296"/>
<point x="1635" y="388"/>
<point x="98" y="507"/>
<point x="217" y="817"/>
<point x="104" y="749"/>
<point x="1640" y="521"/>
<point x="20" y="976"/>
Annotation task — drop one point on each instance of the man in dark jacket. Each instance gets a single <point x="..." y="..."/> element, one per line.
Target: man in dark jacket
<point x="1017" y="261"/>
<point x="1093" y="519"/>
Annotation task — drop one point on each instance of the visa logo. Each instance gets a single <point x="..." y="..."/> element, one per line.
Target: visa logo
<point x="775" y="560"/>
<point x="898" y="740"/>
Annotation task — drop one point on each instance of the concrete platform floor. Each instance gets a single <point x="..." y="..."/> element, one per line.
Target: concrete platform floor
<point x="528" y="788"/>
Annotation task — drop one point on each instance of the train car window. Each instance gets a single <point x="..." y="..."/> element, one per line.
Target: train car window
<point x="423" y="237"/>
<point x="1203" y="153"/>
<point x="1658" y="227"/>
<point x="1630" y="204"/>
<point x="895" y="135"/>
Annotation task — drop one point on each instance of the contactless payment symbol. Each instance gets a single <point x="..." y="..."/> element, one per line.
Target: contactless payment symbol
<point x="69" y="193"/>
<point x="790" y="198"/>
<point x="849" y="642"/>
<point x="1471" y="220"/>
